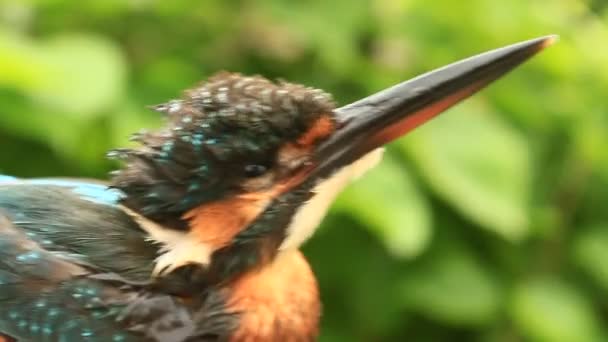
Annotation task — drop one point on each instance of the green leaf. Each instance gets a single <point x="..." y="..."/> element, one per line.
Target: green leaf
<point x="590" y="137"/>
<point x="591" y="253"/>
<point x="550" y="310"/>
<point x="20" y="61"/>
<point x="87" y="74"/>
<point x="316" y="23"/>
<point x="388" y="203"/>
<point x="479" y="164"/>
<point x="453" y="287"/>
<point x="357" y="278"/>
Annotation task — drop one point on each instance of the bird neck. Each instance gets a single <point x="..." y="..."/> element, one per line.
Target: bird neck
<point x="277" y="302"/>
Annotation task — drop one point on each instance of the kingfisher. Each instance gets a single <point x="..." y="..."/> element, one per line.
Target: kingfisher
<point x="197" y="236"/>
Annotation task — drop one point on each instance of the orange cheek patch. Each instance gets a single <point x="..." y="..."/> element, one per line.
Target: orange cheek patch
<point x="217" y="223"/>
<point x="320" y="129"/>
<point x="293" y="154"/>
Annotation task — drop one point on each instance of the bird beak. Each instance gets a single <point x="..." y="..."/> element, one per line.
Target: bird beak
<point x="383" y="117"/>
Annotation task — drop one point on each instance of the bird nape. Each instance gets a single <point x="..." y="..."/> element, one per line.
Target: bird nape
<point x="196" y="238"/>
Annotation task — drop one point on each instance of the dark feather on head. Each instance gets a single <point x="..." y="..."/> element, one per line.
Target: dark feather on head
<point x="218" y="135"/>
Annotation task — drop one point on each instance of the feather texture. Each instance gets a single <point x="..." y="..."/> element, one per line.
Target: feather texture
<point x="213" y="135"/>
<point x="75" y="267"/>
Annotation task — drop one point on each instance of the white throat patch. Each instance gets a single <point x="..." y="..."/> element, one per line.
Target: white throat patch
<point x="178" y="248"/>
<point x="309" y="216"/>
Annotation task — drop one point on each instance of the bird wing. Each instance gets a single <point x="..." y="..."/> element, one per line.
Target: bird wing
<point x="45" y="297"/>
<point x="70" y="263"/>
<point x="81" y="220"/>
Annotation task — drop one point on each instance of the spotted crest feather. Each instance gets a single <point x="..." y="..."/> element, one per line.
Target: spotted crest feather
<point x="212" y="133"/>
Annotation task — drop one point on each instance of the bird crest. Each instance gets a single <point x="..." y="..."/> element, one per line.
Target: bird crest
<point x="222" y="138"/>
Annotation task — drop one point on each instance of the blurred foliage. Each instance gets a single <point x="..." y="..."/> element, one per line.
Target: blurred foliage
<point x="487" y="224"/>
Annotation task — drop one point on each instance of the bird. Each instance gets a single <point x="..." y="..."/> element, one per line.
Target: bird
<point x="196" y="236"/>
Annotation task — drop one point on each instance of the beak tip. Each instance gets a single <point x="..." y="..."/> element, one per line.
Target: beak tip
<point x="549" y="40"/>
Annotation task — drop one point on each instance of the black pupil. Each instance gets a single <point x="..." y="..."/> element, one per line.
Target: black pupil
<point x="254" y="170"/>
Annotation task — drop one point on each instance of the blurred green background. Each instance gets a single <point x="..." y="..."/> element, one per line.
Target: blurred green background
<point x="487" y="224"/>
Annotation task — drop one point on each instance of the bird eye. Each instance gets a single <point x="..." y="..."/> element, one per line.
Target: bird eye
<point x="255" y="170"/>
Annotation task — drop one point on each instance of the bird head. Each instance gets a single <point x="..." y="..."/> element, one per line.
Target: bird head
<point x="246" y="167"/>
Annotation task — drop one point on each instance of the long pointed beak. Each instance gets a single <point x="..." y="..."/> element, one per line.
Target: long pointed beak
<point x="382" y="117"/>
